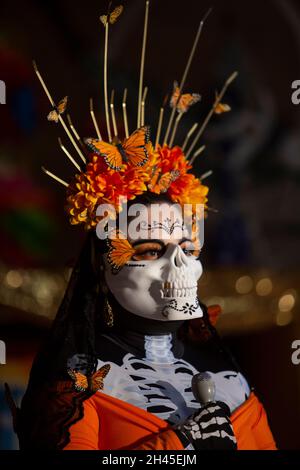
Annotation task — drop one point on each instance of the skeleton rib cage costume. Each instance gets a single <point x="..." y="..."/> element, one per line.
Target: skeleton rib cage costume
<point x="161" y="337"/>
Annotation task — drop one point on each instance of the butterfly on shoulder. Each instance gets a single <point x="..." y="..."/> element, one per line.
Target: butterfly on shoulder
<point x="112" y="17"/>
<point x="131" y="150"/>
<point x="185" y="101"/>
<point x="160" y="183"/>
<point x="59" y="109"/>
<point x="93" y="383"/>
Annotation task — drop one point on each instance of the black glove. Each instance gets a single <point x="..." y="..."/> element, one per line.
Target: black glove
<point x="208" y="429"/>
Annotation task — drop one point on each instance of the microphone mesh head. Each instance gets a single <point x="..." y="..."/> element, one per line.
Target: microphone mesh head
<point x="202" y="376"/>
<point x="203" y="387"/>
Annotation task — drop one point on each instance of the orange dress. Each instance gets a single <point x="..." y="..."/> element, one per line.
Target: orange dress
<point x="112" y="424"/>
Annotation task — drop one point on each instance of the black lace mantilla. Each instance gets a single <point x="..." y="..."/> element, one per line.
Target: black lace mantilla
<point x="46" y="415"/>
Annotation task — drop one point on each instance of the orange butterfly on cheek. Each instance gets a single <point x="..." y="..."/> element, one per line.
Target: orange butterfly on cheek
<point x="185" y="101"/>
<point x="93" y="383"/>
<point x="132" y="150"/>
<point x="120" y="252"/>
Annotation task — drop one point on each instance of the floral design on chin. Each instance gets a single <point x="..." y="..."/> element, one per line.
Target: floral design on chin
<point x="186" y="309"/>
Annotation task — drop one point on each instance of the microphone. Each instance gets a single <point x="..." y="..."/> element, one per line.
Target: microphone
<point x="203" y="388"/>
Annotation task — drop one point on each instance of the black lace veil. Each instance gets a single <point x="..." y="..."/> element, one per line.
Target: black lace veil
<point x="51" y="404"/>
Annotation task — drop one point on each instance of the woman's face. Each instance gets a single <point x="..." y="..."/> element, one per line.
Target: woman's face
<point x="159" y="281"/>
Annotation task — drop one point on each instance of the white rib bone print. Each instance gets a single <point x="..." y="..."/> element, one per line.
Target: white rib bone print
<point x="165" y="389"/>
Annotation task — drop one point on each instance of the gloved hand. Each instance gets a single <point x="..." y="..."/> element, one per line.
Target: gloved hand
<point x="208" y="429"/>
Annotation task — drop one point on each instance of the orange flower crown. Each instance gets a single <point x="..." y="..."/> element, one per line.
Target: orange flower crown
<point x="113" y="171"/>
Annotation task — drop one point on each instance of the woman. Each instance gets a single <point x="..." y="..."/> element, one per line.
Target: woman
<point x="118" y="319"/>
<point x="120" y="367"/>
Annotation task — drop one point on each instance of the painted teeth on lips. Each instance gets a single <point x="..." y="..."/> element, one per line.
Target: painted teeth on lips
<point x="172" y="289"/>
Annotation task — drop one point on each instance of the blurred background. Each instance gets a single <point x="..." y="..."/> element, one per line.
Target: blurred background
<point x="251" y="256"/>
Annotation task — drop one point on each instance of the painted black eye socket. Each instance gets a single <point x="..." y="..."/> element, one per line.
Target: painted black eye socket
<point x="148" y="254"/>
<point x="191" y="251"/>
<point x="187" y="252"/>
<point x="152" y="252"/>
<point x="155" y="252"/>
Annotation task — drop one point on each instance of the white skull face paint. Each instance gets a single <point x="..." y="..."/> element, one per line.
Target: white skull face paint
<point x="164" y="288"/>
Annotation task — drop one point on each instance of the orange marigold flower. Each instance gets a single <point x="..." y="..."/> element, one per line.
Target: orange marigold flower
<point x="186" y="188"/>
<point x="100" y="184"/>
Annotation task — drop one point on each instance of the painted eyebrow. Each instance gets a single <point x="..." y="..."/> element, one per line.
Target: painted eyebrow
<point x="147" y="240"/>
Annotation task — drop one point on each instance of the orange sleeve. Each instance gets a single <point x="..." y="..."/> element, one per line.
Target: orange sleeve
<point x="165" y="440"/>
<point x="251" y="427"/>
<point x="84" y="435"/>
<point x="262" y="432"/>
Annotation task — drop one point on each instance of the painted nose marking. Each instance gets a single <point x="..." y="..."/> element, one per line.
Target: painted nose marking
<point x="177" y="257"/>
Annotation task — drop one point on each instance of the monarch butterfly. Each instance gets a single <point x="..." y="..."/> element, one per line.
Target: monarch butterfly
<point x="111" y="17"/>
<point x="93" y="383"/>
<point x="160" y="183"/>
<point x="185" y="101"/>
<point x="120" y="251"/>
<point x="132" y="150"/>
<point x="220" y="108"/>
<point x="59" y="109"/>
